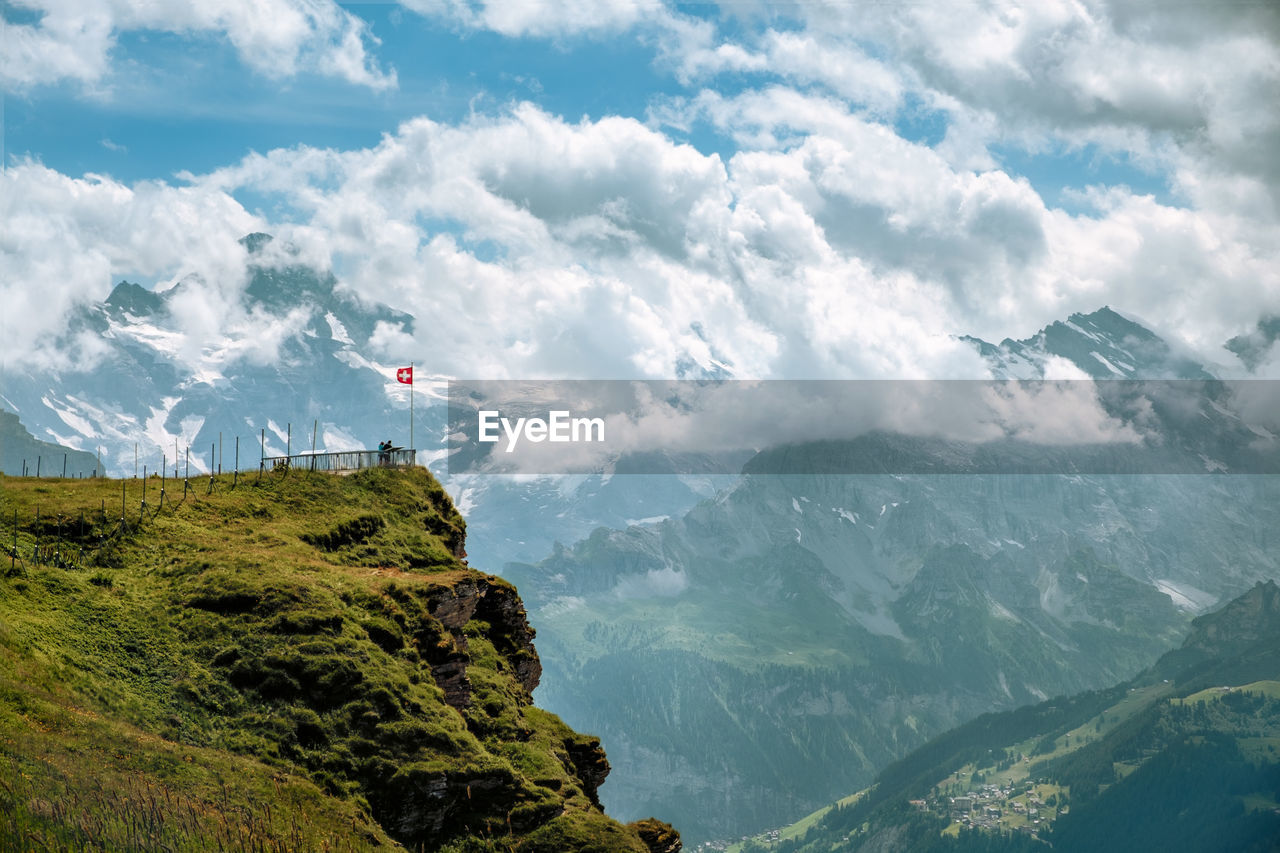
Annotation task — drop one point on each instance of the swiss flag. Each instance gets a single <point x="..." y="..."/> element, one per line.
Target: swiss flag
<point x="405" y="375"/>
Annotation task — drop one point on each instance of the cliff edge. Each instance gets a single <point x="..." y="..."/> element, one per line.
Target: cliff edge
<point x="304" y="662"/>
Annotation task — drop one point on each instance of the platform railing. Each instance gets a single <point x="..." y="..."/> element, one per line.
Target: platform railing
<point x="343" y="461"/>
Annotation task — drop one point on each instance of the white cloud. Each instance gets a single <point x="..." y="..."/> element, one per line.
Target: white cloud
<point x="1181" y="88"/>
<point x="67" y="240"/>
<point x="73" y="40"/>
<point x="542" y="18"/>
<point x="527" y="245"/>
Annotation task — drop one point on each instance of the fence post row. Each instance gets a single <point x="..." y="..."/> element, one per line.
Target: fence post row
<point x="337" y="462"/>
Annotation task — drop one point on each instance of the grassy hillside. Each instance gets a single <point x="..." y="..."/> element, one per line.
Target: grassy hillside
<point x="305" y="663"/>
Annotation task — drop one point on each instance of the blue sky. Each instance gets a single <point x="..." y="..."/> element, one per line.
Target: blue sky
<point x="183" y="104"/>
<point x="175" y="103"/>
<point x="821" y="189"/>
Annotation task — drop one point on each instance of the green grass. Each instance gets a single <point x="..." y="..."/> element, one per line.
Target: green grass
<point x="260" y="669"/>
<point x="1213" y="694"/>
<point x="800" y="827"/>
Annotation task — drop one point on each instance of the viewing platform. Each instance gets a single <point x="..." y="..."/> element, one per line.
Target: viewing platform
<point x="344" y="461"/>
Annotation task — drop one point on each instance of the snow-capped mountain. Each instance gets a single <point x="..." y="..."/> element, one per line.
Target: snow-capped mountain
<point x="146" y="391"/>
<point x="1102" y="345"/>
<point x="147" y="394"/>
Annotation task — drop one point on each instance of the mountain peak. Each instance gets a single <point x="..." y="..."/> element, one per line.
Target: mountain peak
<point x="1103" y="344"/>
<point x="255" y="242"/>
<point x="134" y="299"/>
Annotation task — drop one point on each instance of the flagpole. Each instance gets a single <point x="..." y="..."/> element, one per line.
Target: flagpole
<point x="411" y="405"/>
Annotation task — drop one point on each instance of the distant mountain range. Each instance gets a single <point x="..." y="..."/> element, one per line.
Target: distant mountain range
<point x="143" y="393"/>
<point x="774" y="646"/>
<point x="1184" y="756"/>
<point x="1102" y="345"/>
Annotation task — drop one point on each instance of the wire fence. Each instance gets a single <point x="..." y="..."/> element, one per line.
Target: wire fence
<point x="80" y="541"/>
<point x="52" y="466"/>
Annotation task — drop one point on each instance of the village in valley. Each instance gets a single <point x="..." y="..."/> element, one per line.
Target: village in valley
<point x="1011" y="807"/>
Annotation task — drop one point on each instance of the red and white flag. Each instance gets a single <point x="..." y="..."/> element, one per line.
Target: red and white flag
<point x="405" y="375"/>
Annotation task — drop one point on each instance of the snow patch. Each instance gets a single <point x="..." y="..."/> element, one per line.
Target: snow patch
<point x="1090" y="335"/>
<point x="338" y="331"/>
<point x="70" y="418"/>
<point x="161" y="340"/>
<point x="1185" y="596"/>
<point x="335" y="439"/>
<point x="1212" y="465"/>
<point x="999" y="611"/>
<point x="795" y="504"/>
<point x="653" y="519"/>
<point x="1108" y="365"/>
<point x="464" y="501"/>
<point x="280" y="432"/>
<point x="1004" y="685"/>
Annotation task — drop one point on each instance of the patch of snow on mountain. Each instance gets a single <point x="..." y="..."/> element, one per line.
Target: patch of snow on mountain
<point x="1090" y="335"/>
<point x="337" y="330"/>
<point x="1212" y="465"/>
<point x="337" y="439"/>
<point x="653" y="519"/>
<point x="999" y="611"/>
<point x="795" y="504"/>
<point x="69" y="417"/>
<point x="1108" y="365"/>
<point x="465" y="501"/>
<point x="281" y="432"/>
<point x="1185" y="596"/>
<point x="1223" y="410"/>
<point x="161" y="340"/>
<point x="155" y="429"/>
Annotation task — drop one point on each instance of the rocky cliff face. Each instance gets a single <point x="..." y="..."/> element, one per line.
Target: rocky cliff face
<point x="1252" y="618"/>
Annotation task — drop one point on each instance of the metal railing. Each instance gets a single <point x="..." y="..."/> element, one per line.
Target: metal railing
<point x="343" y="462"/>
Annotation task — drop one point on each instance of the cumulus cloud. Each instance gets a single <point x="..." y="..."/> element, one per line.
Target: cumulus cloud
<point x="528" y="245"/>
<point x="612" y="251"/>
<point x="543" y="18"/>
<point x="67" y="240"/>
<point x="73" y="41"/>
<point x="1177" y="88"/>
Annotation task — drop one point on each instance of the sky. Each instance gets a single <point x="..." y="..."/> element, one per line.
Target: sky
<point x="616" y="188"/>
